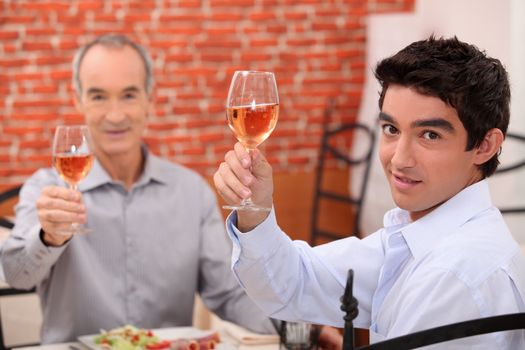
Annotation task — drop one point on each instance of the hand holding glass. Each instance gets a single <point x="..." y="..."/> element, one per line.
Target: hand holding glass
<point x="252" y="109"/>
<point x="73" y="158"/>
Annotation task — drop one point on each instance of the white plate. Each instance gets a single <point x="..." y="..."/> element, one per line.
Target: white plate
<point x="166" y="334"/>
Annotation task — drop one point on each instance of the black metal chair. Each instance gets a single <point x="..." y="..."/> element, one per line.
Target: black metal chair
<point x="4" y="197"/>
<point x="426" y="337"/>
<point x="330" y="152"/>
<point x="512" y="167"/>
<point x="6" y="222"/>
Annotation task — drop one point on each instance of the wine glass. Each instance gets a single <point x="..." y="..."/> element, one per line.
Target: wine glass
<point x="73" y="158"/>
<point x="252" y="109"/>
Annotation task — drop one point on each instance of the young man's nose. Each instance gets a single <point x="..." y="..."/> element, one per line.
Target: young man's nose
<point x="403" y="154"/>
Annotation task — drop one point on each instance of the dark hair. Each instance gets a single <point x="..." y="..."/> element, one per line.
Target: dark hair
<point x="118" y="41"/>
<point x="459" y="74"/>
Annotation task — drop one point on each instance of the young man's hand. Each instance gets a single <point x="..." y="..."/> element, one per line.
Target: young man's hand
<point x="243" y="175"/>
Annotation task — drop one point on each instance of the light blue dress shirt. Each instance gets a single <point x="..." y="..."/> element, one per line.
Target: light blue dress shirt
<point x="151" y="250"/>
<point x="457" y="263"/>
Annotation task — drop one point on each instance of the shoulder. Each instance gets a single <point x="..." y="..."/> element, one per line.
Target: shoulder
<point x="478" y="249"/>
<point x="41" y="178"/>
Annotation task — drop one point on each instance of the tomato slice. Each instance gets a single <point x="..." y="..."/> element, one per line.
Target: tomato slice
<point x="160" y="345"/>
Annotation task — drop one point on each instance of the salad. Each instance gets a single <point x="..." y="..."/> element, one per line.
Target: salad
<point x="130" y="338"/>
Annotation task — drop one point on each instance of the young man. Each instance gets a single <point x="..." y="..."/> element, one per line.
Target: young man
<point x="445" y="254"/>
<point x="157" y="237"/>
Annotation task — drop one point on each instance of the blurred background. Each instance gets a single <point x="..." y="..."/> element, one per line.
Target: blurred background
<point x="319" y="49"/>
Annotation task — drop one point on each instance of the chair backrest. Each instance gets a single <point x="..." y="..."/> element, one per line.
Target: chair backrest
<point x="335" y="150"/>
<point x="8" y="199"/>
<point x="349" y="305"/>
<point x="519" y="209"/>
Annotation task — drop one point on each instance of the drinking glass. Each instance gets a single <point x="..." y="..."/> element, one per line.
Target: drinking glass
<point x="252" y="109"/>
<point x="299" y="336"/>
<point x="73" y="158"/>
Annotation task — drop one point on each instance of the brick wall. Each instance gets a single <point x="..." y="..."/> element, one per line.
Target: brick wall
<point x="315" y="47"/>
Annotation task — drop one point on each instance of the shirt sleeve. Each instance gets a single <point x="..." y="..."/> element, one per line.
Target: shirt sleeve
<point x="292" y="281"/>
<point x="25" y="259"/>
<point x="217" y="287"/>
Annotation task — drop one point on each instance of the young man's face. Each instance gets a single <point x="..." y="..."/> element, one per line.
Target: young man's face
<point x="114" y="99"/>
<point x="422" y="150"/>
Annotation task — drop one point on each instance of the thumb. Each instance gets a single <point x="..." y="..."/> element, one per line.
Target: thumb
<point x="261" y="169"/>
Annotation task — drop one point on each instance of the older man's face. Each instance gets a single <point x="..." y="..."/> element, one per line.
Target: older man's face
<point x="114" y="99"/>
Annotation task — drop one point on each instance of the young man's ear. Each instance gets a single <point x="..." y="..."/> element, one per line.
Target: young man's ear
<point x="490" y="145"/>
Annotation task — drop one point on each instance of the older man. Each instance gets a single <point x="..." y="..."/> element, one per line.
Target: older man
<point x="157" y="235"/>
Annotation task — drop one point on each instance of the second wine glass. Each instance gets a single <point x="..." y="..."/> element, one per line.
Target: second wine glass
<point x="252" y="109"/>
<point x="73" y="158"/>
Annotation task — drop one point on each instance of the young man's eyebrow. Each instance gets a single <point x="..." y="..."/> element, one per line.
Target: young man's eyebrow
<point x="434" y="123"/>
<point x="385" y="117"/>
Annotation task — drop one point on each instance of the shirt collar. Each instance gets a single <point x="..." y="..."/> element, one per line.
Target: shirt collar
<point x="424" y="234"/>
<point x="153" y="171"/>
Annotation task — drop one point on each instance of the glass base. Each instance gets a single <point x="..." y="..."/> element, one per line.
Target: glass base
<point x="76" y="230"/>
<point x="247" y="207"/>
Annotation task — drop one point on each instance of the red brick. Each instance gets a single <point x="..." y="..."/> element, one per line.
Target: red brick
<point x="105" y="17"/>
<point x="210" y="137"/>
<point x="90" y="5"/>
<point x="8" y="35"/>
<point x="263" y="42"/>
<point x="349" y="53"/>
<point x="68" y="45"/>
<point x="35" y="117"/>
<point x="50" y="89"/>
<point x="143" y="5"/>
<point x="276" y="29"/>
<point x="250" y="57"/>
<point x="186" y="110"/>
<point x="164" y="126"/>
<point x="51" y="60"/>
<point x="194" y="17"/>
<point x="61" y="75"/>
<point x="167" y="44"/>
<point x="43" y="160"/>
<point x="13" y="62"/>
<point x="216" y="31"/>
<point x="45" y="6"/>
<point x="195" y="151"/>
<point x="36" y="144"/>
<point x="40" y="31"/>
<point x="295" y="16"/>
<point x="39" y="103"/>
<point x="29" y="76"/>
<point x="137" y="17"/>
<point x="22" y="130"/>
<point x="228" y="3"/>
<point x="178" y="30"/>
<point x="318" y="26"/>
<point x="19" y="19"/>
<point x="217" y="57"/>
<point x="225" y="16"/>
<point x="189" y="4"/>
<point x="177" y="139"/>
<point x="301" y="42"/>
<point x="261" y="16"/>
<point x="37" y="46"/>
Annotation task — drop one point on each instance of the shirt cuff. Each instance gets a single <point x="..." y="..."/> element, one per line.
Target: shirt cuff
<point x="37" y="251"/>
<point x="257" y="243"/>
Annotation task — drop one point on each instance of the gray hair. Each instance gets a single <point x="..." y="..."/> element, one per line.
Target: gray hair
<point x="118" y="41"/>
